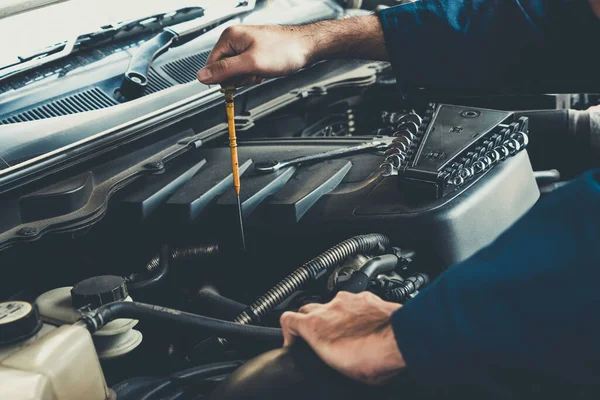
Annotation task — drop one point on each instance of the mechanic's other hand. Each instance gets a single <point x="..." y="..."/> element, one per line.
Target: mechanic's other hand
<point x="246" y="55"/>
<point x="352" y="334"/>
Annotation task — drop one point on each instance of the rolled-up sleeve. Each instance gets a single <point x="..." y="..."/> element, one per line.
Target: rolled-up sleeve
<point x="493" y="45"/>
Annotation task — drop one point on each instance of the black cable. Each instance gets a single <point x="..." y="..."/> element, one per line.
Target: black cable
<point x="134" y="310"/>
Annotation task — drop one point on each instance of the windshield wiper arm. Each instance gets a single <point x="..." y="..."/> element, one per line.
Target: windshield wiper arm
<point x="53" y="53"/>
<point x="107" y="33"/>
<point x="136" y="78"/>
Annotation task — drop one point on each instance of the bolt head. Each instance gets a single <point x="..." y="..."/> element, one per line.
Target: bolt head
<point x="154" y="165"/>
<point x="27" y="231"/>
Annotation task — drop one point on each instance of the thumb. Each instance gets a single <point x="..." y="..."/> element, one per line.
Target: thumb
<point x="225" y="69"/>
<point x="290" y="322"/>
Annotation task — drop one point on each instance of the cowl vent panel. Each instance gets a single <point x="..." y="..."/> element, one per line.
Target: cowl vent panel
<point x="184" y="70"/>
<point x="88" y="100"/>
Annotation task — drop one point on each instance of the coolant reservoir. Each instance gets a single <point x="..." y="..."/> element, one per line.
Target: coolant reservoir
<point x="40" y="362"/>
<point x="59" y="307"/>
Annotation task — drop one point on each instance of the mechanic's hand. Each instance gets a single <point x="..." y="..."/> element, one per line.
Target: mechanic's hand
<point x="246" y="55"/>
<point x="352" y="334"/>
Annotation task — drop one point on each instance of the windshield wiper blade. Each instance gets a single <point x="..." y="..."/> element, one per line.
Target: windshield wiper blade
<point x="136" y="78"/>
<point x="52" y="53"/>
<point x="147" y="24"/>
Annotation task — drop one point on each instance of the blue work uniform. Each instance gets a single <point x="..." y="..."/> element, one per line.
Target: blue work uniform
<point x="494" y="46"/>
<point x="524" y="310"/>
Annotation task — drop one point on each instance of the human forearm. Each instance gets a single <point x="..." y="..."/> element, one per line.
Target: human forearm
<point x="360" y="37"/>
<point x="247" y="54"/>
<point x="595" y="4"/>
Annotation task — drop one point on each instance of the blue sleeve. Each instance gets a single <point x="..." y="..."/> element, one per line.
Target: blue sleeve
<point x="525" y="307"/>
<point x="494" y="46"/>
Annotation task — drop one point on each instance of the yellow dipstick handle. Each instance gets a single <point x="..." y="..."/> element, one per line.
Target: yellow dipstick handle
<point x="229" y="91"/>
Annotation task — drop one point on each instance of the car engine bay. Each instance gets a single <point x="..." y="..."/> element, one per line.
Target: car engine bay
<point x="138" y="243"/>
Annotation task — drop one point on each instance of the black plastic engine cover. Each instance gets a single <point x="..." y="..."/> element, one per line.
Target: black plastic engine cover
<point x="455" y="143"/>
<point x="336" y="199"/>
<point x="190" y="193"/>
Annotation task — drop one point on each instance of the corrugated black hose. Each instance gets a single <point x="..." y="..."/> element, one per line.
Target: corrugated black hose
<point x="369" y="243"/>
<point x="158" y="267"/>
<point x="134" y="282"/>
<point x="134" y="310"/>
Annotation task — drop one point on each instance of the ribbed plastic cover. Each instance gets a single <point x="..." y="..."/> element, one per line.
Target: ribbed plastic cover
<point x="156" y="82"/>
<point x="88" y="100"/>
<point x="184" y="70"/>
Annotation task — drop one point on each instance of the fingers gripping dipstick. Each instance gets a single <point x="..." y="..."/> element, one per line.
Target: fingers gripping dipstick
<point x="229" y="92"/>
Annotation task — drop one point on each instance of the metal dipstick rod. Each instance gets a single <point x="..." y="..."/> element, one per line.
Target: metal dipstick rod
<point x="229" y="92"/>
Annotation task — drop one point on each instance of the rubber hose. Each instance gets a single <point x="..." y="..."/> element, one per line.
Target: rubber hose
<point x="162" y="385"/>
<point x="189" y="376"/>
<point x="159" y="275"/>
<point x="217" y="379"/>
<point x="135" y="310"/>
<point x="180" y="394"/>
<point x="294" y="281"/>
<point x="131" y="389"/>
<point x="406" y="288"/>
<point x="159" y="264"/>
<point x="218" y="306"/>
<point x="207" y="371"/>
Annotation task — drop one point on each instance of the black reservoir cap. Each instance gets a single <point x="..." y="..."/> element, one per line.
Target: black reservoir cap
<point x="19" y="320"/>
<point x="98" y="290"/>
